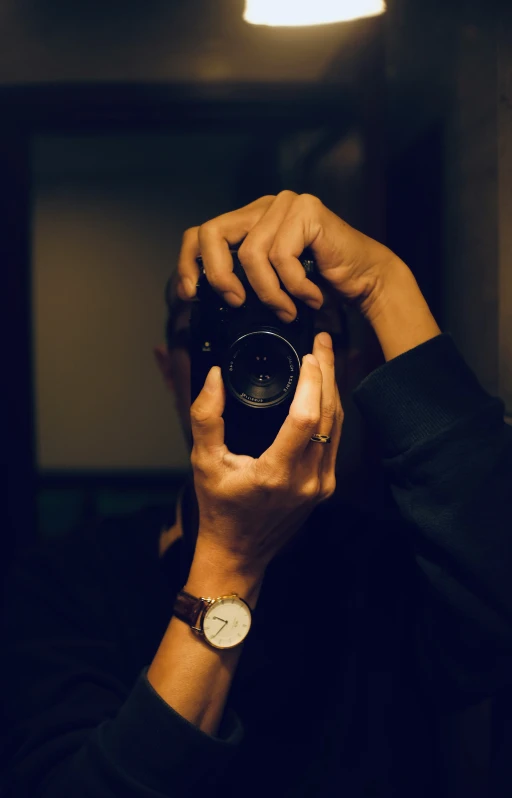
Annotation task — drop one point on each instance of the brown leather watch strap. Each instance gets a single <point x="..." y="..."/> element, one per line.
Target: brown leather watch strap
<point x="188" y="608"/>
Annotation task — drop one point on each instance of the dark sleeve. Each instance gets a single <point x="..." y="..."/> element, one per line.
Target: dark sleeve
<point x="76" y="724"/>
<point x="448" y="454"/>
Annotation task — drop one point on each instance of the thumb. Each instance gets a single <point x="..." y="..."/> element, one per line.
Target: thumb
<point x="206" y="413"/>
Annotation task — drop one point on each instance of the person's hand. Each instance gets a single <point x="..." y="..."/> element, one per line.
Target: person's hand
<point x="250" y="508"/>
<point x="274" y="231"/>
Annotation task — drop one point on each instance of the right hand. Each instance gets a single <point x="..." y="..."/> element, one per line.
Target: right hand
<point x="250" y="508"/>
<point x="274" y="230"/>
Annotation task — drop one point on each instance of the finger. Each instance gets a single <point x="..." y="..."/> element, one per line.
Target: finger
<point x="331" y="449"/>
<point x="253" y="254"/>
<point x="206" y="415"/>
<point x="215" y="239"/>
<point x="302" y="419"/>
<point x="188" y="270"/>
<point x="322" y="349"/>
<point x="298" y="230"/>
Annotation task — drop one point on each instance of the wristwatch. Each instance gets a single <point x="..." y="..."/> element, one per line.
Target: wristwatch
<point x="223" y="622"/>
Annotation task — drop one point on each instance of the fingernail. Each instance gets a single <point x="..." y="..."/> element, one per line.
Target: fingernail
<point x="212" y="380"/>
<point x="285" y="316"/>
<point x="324" y="339"/>
<point x="310" y="359"/>
<point x="234" y="299"/>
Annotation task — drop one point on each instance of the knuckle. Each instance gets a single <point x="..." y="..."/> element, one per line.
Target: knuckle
<point x="310" y="488"/>
<point x="310" y="202"/>
<point x="328" y="487"/>
<point x="198" y="414"/>
<point x="207" y="229"/>
<point x="190" y="233"/>
<point x="266" y="199"/>
<point x="248" y="250"/>
<point x="276" y="254"/>
<point x="287" y="193"/>
<point x="305" y="421"/>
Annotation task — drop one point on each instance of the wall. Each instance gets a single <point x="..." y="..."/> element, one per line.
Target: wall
<point x="471" y="296"/>
<point x="450" y="65"/>
<point x="504" y="52"/>
<point x="478" y="295"/>
<point x="107" y="221"/>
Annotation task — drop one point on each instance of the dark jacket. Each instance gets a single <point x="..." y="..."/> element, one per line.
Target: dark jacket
<point x="370" y="628"/>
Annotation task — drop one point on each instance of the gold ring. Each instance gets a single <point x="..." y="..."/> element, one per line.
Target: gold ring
<point x="317" y="438"/>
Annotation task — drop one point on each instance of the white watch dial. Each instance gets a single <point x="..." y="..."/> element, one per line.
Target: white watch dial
<point x="227" y="622"/>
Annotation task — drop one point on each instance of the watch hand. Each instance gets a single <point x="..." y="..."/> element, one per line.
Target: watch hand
<point x="219" y="630"/>
<point x="215" y="618"/>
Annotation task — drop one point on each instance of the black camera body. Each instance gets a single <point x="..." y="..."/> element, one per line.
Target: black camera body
<point x="259" y="355"/>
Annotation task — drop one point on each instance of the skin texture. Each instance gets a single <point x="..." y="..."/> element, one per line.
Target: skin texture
<point x="238" y="533"/>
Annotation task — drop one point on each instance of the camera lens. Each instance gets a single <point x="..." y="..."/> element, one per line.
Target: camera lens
<point x="262" y="369"/>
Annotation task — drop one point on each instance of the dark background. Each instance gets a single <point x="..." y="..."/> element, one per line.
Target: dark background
<point x="401" y="123"/>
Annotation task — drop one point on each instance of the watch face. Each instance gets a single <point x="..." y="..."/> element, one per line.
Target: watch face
<point x="227" y="622"/>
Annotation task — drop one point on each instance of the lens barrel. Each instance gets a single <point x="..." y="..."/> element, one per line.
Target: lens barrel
<point x="262" y="369"/>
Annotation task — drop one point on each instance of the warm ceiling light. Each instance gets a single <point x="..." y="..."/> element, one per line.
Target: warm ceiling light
<point x="309" y="12"/>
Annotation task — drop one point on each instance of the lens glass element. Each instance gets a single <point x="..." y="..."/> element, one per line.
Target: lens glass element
<point x="262" y="369"/>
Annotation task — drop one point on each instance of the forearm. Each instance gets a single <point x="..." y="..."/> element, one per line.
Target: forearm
<point x="399" y="313"/>
<point x="191" y="676"/>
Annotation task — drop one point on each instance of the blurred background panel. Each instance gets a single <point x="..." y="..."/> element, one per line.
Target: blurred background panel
<point x="109" y="214"/>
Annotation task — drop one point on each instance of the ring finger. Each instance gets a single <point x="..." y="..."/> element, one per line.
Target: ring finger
<point x="322" y="349"/>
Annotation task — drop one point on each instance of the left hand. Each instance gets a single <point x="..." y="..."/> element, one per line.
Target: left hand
<point x="274" y="231"/>
<point x="249" y="509"/>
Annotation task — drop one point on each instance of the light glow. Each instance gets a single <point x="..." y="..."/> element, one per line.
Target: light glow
<point x="293" y="13"/>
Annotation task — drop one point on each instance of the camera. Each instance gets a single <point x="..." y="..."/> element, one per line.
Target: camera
<point x="260" y="358"/>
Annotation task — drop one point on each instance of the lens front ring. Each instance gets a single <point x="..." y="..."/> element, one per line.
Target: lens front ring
<point x="262" y="369"/>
